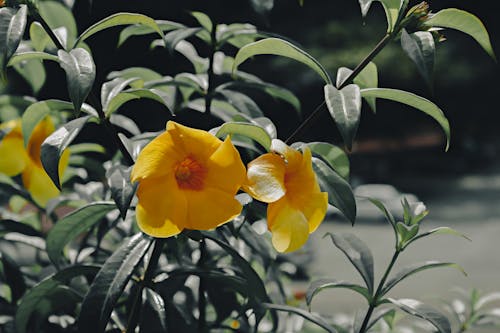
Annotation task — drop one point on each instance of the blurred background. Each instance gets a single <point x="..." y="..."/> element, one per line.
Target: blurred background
<point x="399" y="147"/>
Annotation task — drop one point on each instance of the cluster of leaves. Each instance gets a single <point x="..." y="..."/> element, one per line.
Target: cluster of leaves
<point x="80" y="263"/>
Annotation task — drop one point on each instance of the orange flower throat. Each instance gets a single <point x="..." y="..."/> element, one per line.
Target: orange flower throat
<point x="190" y="174"/>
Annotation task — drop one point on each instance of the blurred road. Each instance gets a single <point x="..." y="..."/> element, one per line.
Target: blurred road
<point x="469" y="204"/>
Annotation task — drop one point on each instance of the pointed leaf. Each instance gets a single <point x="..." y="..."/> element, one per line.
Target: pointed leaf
<point x="465" y="22"/>
<point x="112" y="88"/>
<point x="55" y="144"/>
<point x="251" y="131"/>
<point x="420" y="310"/>
<point x="156" y="95"/>
<point x="345" y="108"/>
<point x="358" y="254"/>
<point x="392" y="9"/>
<point x="279" y="47"/>
<point x="80" y="74"/>
<point x="139" y="29"/>
<point x="390" y="218"/>
<point x="365" y="6"/>
<point x="72" y="225"/>
<point x="339" y="191"/>
<point x="153" y="313"/>
<point x="439" y="231"/>
<point x="317" y="286"/>
<point x="419" y="46"/>
<point x="203" y="20"/>
<point x="367" y="78"/>
<point x="415" y="101"/>
<point x="335" y="157"/>
<point x="241" y="102"/>
<point x="315" y="319"/>
<point x="413" y="269"/>
<point x="174" y="37"/>
<point x="122" y="190"/>
<point x="12" y="25"/>
<point x="109" y="283"/>
<point x="118" y="20"/>
<point x="43" y="290"/>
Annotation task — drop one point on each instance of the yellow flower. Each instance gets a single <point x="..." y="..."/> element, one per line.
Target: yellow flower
<point x="16" y="159"/>
<point x="285" y="179"/>
<point x="188" y="179"/>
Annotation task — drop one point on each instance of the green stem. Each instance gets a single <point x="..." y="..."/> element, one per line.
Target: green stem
<point x="376" y="298"/>
<point x="148" y="276"/>
<point x="210" y="72"/>
<point x="202" y="301"/>
<point x="92" y="97"/>
<point x="314" y="115"/>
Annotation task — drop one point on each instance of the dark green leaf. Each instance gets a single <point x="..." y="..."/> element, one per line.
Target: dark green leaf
<point x="73" y="224"/>
<point x="415" y="101"/>
<point x="55" y="144"/>
<point x="317" y="286"/>
<point x="153" y="313"/>
<point x="109" y="283"/>
<point x="13" y="277"/>
<point x="335" y="157"/>
<point x="465" y="22"/>
<point x="122" y="191"/>
<point x="420" y="310"/>
<point x="413" y="269"/>
<point x="118" y="20"/>
<point x="345" y="108"/>
<point x="279" y="47"/>
<point x="80" y="74"/>
<point x="303" y="313"/>
<point x="251" y="131"/>
<point x="19" y="227"/>
<point x="12" y="25"/>
<point x="37" y="294"/>
<point x="358" y="254"/>
<point x="339" y="191"/>
<point x="419" y="46"/>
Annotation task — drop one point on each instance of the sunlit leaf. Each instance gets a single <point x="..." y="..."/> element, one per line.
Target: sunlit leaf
<point x="252" y="131"/>
<point x="73" y="224"/>
<point x="24" y="56"/>
<point x="203" y="20"/>
<point x="345" y="108"/>
<point x="55" y="144"/>
<point x="280" y="47"/>
<point x="335" y="157"/>
<point x="174" y="37"/>
<point x="358" y="254"/>
<point x="139" y="29"/>
<point x="465" y="22"/>
<point x="57" y="15"/>
<point x="112" y="88"/>
<point x="367" y="78"/>
<point x="415" y="101"/>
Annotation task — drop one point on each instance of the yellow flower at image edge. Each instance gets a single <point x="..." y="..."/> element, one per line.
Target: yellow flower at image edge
<point x="188" y="179"/>
<point x="285" y="179"/>
<point x="15" y="159"/>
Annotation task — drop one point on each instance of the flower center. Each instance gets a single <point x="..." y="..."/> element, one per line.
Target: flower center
<point x="190" y="174"/>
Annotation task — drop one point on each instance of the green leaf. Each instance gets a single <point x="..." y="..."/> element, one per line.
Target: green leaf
<point x="143" y="73"/>
<point x="122" y="190"/>
<point x="241" y="102"/>
<point x="189" y="52"/>
<point x="406" y="232"/>
<point x="175" y="37"/>
<point x="303" y="313"/>
<point x="13" y="276"/>
<point x="279" y="47"/>
<point x="339" y="191"/>
<point x="111" y="89"/>
<point x="154" y="94"/>
<point x="387" y="213"/>
<point x="415" y="101"/>
<point x="12" y="25"/>
<point x="365" y="6"/>
<point x="33" y="73"/>
<point x="110" y="282"/>
<point x="203" y="20"/>
<point x="345" y="108"/>
<point x="465" y="22"/>
<point x="125" y="122"/>
<point x="57" y="15"/>
<point x="413" y="269"/>
<point x="392" y="10"/>
<point x="55" y="144"/>
<point x="367" y="78"/>
<point x="420" y="310"/>
<point x="39" y="37"/>
<point x="80" y="74"/>
<point x="19" y="227"/>
<point x="138" y="30"/>
<point x="36" y="112"/>
<point x="358" y="254"/>
<point x="420" y="47"/>
<point x="335" y="157"/>
<point x="439" y="231"/>
<point x="251" y="131"/>
<point x="80" y="148"/>
<point x="317" y="286"/>
<point x="118" y="20"/>
<point x="72" y="225"/>
<point x="45" y="289"/>
<point x="25" y="56"/>
<point x="153" y="313"/>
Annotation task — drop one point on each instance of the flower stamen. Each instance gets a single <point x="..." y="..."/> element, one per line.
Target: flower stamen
<point x="190" y="174"/>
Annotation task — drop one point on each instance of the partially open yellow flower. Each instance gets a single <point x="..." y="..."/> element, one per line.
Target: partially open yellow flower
<point x="285" y="179"/>
<point x="16" y="159"/>
<point x="188" y="179"/>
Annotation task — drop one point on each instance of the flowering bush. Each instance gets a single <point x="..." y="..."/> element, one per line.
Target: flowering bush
<point x="161" y="233"/>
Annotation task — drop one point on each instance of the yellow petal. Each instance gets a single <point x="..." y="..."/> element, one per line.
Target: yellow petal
<point x="13" y="157"/>
<point x="198" y="143"/>
<point x="39" y="184"/>
<point x="210" y="208"/>
<point x="266" y="178"/>
<point x="225" y="170"/>
<point x="162" y="208"/>
<point x="314" y="209"/>
<point x="40" y="133"/>
<point x="288" y="226"/>
<point x="292" y="156"/>
<point x="157" y="159"/>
